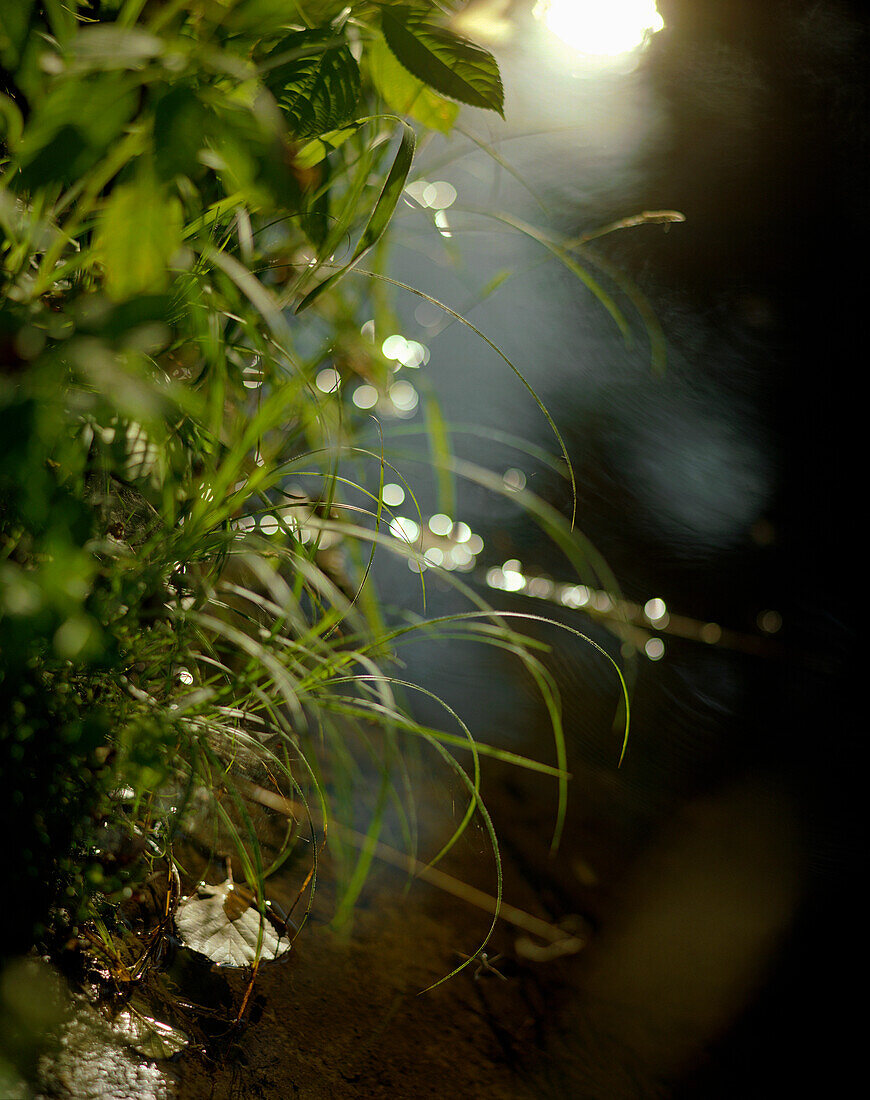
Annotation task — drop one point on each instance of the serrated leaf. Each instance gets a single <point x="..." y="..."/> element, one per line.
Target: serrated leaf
<point x="452" y="65"/>
<point x="405" y="94"/>
<point x="319" y="83"/>
<point x="380" y="217"/>
<point x="139" y="233"/>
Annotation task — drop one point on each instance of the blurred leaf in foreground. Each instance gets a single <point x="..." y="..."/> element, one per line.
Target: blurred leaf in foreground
<point x="139" y="233"/>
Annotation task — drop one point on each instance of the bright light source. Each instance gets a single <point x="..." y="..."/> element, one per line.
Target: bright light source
<point x="655" y="609"/>
<point x="328" y="380"/>
<point x="404" y="396"/>
<point x="393" y="495"/>
<point x="654" y="649"/>
<point x="406" y="529"/>
<point x="439" y="524"/>
<point x="365" y="397"/>
<point x="600" y="29"/>
<point x="440" y="195"/>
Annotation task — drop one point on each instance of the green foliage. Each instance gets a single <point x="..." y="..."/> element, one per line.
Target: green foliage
<point x="187" y="522"/>
<point x="404" y="93"/>
<point x="172" y="178"/>
<point x="451" y="65"/>
<point x="315" y="78"/>
<point x="139" y="233"/>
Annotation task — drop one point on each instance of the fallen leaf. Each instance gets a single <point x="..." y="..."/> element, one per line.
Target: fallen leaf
<point x="223" y="923"/>
<point x="147" y="1036"/>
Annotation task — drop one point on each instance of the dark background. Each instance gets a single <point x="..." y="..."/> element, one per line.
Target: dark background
<point x="728" y="486"/>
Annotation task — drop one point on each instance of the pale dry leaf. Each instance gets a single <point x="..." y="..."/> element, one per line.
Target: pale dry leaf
<point x="223" y="923"/>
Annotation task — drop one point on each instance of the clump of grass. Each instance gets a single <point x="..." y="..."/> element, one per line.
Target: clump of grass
<point x="189" y="517"/>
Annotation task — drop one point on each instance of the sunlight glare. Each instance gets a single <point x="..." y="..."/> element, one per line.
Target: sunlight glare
<point x="599" y="29"/>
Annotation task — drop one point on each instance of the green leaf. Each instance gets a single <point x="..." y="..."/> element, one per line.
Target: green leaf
<point x="380" y="218"/>
<point x="11" y="120"/>
<point x="451" y="65"/>
<point x="405" y="94"/>
<point x="313" y="152"/>
<point x="139" y="233"/>
<point x="318" y="84"/>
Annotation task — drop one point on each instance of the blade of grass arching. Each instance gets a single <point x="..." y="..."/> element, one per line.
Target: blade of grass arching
<point x="372" y="608"/>
<point x="406" y="820"/>
<point x="259" y="653"/>
<point x="191" y="760"/>
<point x="353" y="889"/>
<point x="529" y="617"/>
<point x="288" y="467"/>
<point x="468" y="743"/>
<point x="351" y="707"/>
<point x="564" y="256"/>
<point x="275" y="764"/>
<point x="464" y="320"/>
<point x="360" y="873"/>
<point x="291" y="739"/>
<point x="380" y="216"/>
<point x="495" y="155"/>
<point x="658" y="349"/>
<point x="211" y="512"/>
<point x="318" y="584"/>
<point x="215" y="216"/>
<point x="353" y="451"/>
<point x="349" y="213"/>
<point x="579" y="551"/>
<point x="480" y="431"/>
<point x="364" y="534"/>
<point x="655" y="333"/>
<point x="364" y="598"/>
<point x="252" y="876"/>
<point x="255" y="868"/>
<point x="550" y="694"/>
<point x="439" y="446"/>
<point x="442" y="881"/>
<point x="260" y="297"/>
<point x="485" y="292"/>
<point x="496" y="854"/>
